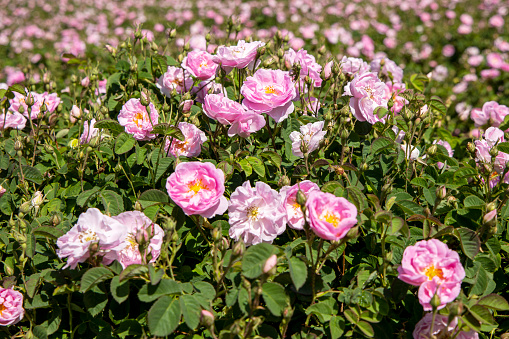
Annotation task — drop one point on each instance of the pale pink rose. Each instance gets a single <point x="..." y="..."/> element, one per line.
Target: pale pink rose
<point x="308" y="138"/>
<point x="159" y="27"/>
<point x="296" y="43"/>
<point x="431" y="265"/>
<point x="270" y="263"/>
<point x="271" y="92"/>
<point x="174" y="79"/>
<point x="353" y="66"/>
<point x="246" y="123"/>
<point x="307" y="62"/>
<point x="11" y="304"/>
<point x="51" y="101"/>
<point x="448" y="51"/>
<point x="475" y="60"/>
<point x="19" y="100"/>
<point x="389" y="68"/>
<point x="136" y="120"/>
<point x="186" y="105"/>
<point x="495" y="112"/>
<point x="88" y="132"/>
<point x="327" y="70"/>
<point x="497" y="21"/>
<point x="492" y="136"/>
<point x="464" y="29"/>
<point x="393" y="91"/>
<point x="494" y="60"/>
<point x="440" y="73"/>
<point x="466" y="19"/>
<point x="198" y="189"/>
<point x="330" y="217"/>
<point x="441" y="328"/>
<point x="448" y="147"/>
<point x="411" y="152"/>
<point x="200" y="65"/>
<point x="368" y="46"/>
<point x="85" y="82"/>
<point x="190" y="146"/>
<point x="293" y="209"/>
<point x="136" y="226"/>
<point x="494" y="181"/>
<point x="503" y="46"/>
<point x="14" y="76"/>
<point x="256" y="214"/>
<point x="460" y="87"/>
<point x="2" y="191"/>
<point x="463" y="110"/>
<point x="222" y="109"/>
<point x="93" y="229"/>
<point x="12" y="120"/>
<point x="241" y="56"/>
<point x="74" y="114"/>
<point x="368" y="93"/>
<point x="490" y="73"/>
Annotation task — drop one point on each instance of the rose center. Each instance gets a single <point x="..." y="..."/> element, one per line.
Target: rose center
<point x="252" y="212"/>
<point x="331" y="218"/>
<point x="138" y="119"/>
<point x="370" y="93"/>
<point x="432" y="272"/>
<point x="87" y="236"/>
<point x="196" y="186"/>
<point x="272" y="90"/>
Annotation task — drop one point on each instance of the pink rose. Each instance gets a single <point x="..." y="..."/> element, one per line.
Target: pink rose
<point x="12" y="120"/>
<point x="292" y="207"/>
<point x="353" y="66"/>
<point x="448" y="51"/>
<point x="312" y="105"/>
<point x="222" y="109"/>
<point x="307" y="62"/>
<point x="475" y="60"/>
<point x="74" y="114"/>
<point x="200" y="65"/>
<point x="494" y="60"/>
<point x="447" y="146"/>
<point x="368" y="92"/>
<point x="241" y="56"/>
<point x="490" y="73"/>
<point x="245" y="124"/>
<point x="198" y="188"/>
<point x="497" y="21"/>
<point x="256" y="214"/>
<point x="441" y="327"/>
<point x="136" y="120"/>
<point x="271" y="92"/>
<point x="308" y="139"/>
<point x="190" y="146"/>
<point x="393" y="91"/>
<point x="431" y="265"/>
<point x="492" y="136"/>
<point x="88" y="133"/>
<point x="20" y="100"/>
<point x="389" y="68"/>
<point x="11" y="306"/>
<point x="2" y="191"/>
<point x="330" y="217"/>
<point x="495" y="112"/>
<point x="92" y="229"/>
<point x="209" y="87"/>
<point x="135" y="227"/>
<point x="51" y="101"/>
<point x="174" y="79"/>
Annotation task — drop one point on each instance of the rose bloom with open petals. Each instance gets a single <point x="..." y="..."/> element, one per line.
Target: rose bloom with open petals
<point x="435" y="268"/>
<point x="241" y="56"/>
<point x="447" y="146"/>
<point x="271" y="92"/>
<point x="92" y="228"/>
<point x="174" y="79"/>
<point x="368" y="92"/>
<point x="51" y="101"/>
<point x="393" y="90"/>
<point x="12" y="120"/>
<point x="88" y="132"/>
<point x="198" y="188"/>
<point x="136" y="223"/>
<point x="19" y="100"/>
<point x="307" y="62"/>
<point x="293" y="209"/>
<point x="11" y="306"/>
<point x="495" y="112"/>
<point x="200" y="65"/>
<point x="309" y="137"/>
<point x="222" y="109"/>
<point x="389" y="67"/>
<point x="483" y="147"/>
<point x="135" y="118"/>
<point x="256" y="214"/>
<point x="190" y="146"/>
<point x="330" y="217"/>
<point x="440" y="328"/>
<point x="246" y="123"/>
<point x="352" y="66"/>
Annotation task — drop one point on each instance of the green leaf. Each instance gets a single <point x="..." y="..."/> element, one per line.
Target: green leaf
<point x="94" y="276"/>
<point x="275" y="298"/>
<point x="164" y="316"/>
<point x="191" y="310"/>
<point x="421" y="182"/>
<point x="162" y="167"/>
<point x="109" y="124"/>
<point x="254" y="259"/>
<point x="473" y="201"/>
<point x="112" y="202"/>
<point x="482" y="314"/>
<point x="366" y="328"/>
<point x="495" y="302"/>
<point x="505" y="124"/>
<point x="246" y="167"/>
<point x="119" y="290"/>
<point x="465" y="172"/>
<point x="32" y="174"/>
<point x="95" y="302"/>
<point x="480" y="282"/>
<point x="337" y="327"/>
<point x="273" y="157"/>
<point x="85" y="196"/>
<point x="503" y="146"/>
<point x="39" y="332"/>
<point x="409" y="207"/>
<point x="152" y="197"/>
<point x="380" y="111"/>
<point x="149" y="292"/>
<point x="133" y="271"/>
<point x="469" y="240"/>
<point x="48" y="232"/>
<point x="298" y="272"/>
<point x="30" y="245"/>
<point x="331" y="186"/>
<point x="437" y="104"/>
<point x="381" y="144"/>
<point x="257" y="165"/>
<point x="124" y="143"/>
<point x="418" y="81"/>
<point x="323" y="310"/>
<point x="32" y="283"/>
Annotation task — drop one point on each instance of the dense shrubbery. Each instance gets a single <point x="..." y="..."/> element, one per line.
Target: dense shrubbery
<point x="259" y="190"/>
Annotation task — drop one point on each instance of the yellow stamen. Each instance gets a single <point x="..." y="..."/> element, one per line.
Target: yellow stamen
<point x="2" y="308"/>
<point x="331" y="219"/>
<point x="137" y="117"/>
<point x="196" y="186"/>
<point x="271" y="90"/>
<point x="252" y="212"/>
<point x="431" y="272"/>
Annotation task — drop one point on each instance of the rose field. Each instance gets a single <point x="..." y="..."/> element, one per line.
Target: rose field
<point x="254" y="169"/>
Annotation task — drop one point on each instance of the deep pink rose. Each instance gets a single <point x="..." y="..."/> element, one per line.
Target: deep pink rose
<point x="136" y="120"/>
<point x="11" y="306"/>
<point x="330" y="217"/>
<point x="393" y="91"/>
<point x="198" y="188"/>
<point x="246" y="123"/>
<point x="240" y="56"/>
<point x="174" y="79"/>
<point x="292" y="207"/>
<point x="200" y="65"/>
<point x="190" y="146"/>
<point x="222" y="109"/>
<point x="368" y="92"/>
<point x="12" y="120"/>
<point x="271" y="92"/>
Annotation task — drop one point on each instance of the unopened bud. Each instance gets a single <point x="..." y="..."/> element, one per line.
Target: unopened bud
<point x="55" y="219"/>
<point x="37" y="199"/>
<point x="435" y="301"/>
<point x="238" y="248"/>
<point x="18" y="145"/>
<point x="261" y="51"/>
<point x="21" y="109"/>
<point x="137" y="206"/>
<point x="301" y="198"/>
<point x="25" y="207"/>
<point x="216" y="234"/>
<point x="432" y="150"/>
<point x="144" y="99"/>
<point x="352" y="233"/>
<point x="441" y="192"/>
<point x="490" y="217"/>
<point x="494" y="151"/>
<point x="207" y="318"/>
<point x="186" y="106"/>
<point x="321" y="50"/>
<point x="471" y="148"/>
<point x="284" y="181"/>
<point x="270" y="264"/>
